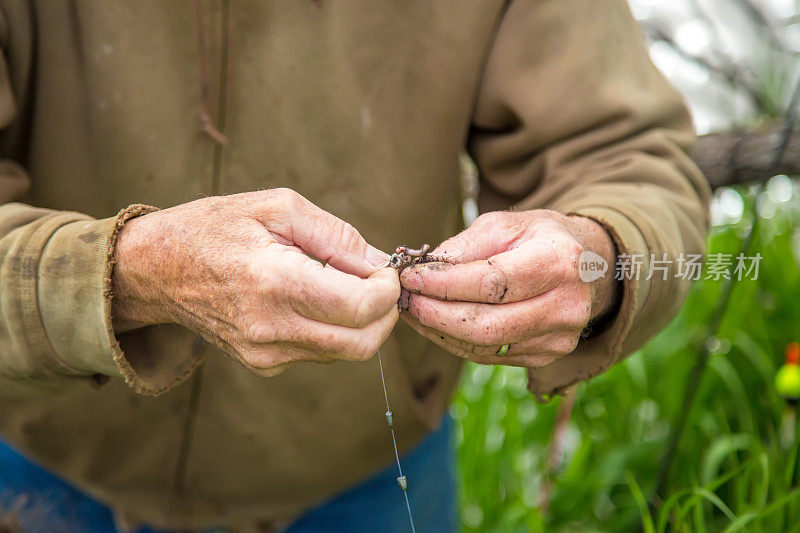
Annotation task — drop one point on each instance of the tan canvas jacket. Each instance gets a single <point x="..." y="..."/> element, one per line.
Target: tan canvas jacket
<point x="364" y="108"/>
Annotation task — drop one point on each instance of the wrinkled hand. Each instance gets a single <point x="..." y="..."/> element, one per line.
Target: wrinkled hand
<point x="235" y="270"/>
<point x="511" y="278"/>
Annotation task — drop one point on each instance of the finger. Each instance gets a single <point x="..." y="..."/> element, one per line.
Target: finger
<point x="533" y="268"/>
<point x="346" y="300"/>
<point x="498" y="324"/>
<point x="533" y="353"/>
<point x="308" y="340"/>
<point x="487" y="236"/>
<point x="243" y="355"/>
<point x="493" y="233"/>
<point x="267" y="372"/>
<point x="331" y="342"/>
<point x="324" y="293"/>
<point x="326" y="237"/>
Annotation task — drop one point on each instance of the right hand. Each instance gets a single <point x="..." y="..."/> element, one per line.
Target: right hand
<point x="234" y="270"/>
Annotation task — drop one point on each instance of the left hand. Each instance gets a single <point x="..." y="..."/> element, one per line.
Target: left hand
<point x="511" y="278"/>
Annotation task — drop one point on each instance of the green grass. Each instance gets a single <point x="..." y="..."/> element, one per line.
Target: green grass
<point x="735" y="469"/>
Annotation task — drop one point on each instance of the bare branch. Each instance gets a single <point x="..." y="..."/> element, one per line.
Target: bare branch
<point x="745" y="156"/>
<point x="755" y="14"/>
<point x="730" y="72"/>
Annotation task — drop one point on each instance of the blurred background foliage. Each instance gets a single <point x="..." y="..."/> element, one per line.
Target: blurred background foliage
<point x="735" y="466"/>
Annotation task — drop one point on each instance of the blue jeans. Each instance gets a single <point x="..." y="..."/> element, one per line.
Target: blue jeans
<point x="43" y="502"/>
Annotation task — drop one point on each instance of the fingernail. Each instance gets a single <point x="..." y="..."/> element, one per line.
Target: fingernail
<point x="375" y="257"/>
<point x="411" y="279"/>
<point x="404" y="301"/>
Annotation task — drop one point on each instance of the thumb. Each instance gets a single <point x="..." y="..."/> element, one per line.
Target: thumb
<point x="328" y="238"/>
<point x="485" y="238"/>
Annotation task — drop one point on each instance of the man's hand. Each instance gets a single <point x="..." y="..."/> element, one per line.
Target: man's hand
<point x="511" y="278"/>
<point x="236" y="270"/>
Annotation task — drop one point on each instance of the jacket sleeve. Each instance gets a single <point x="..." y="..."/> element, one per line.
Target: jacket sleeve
<point x="571" y="115"/>
<point x="55" y="279"/>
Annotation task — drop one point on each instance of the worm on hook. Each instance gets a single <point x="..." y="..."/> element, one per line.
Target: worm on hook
<point x="404" y="256"/>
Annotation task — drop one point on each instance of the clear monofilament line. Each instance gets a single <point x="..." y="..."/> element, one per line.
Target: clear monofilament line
<point x="401" y="480"/>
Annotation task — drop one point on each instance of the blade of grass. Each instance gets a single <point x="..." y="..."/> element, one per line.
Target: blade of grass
<point x="641" y="503"/>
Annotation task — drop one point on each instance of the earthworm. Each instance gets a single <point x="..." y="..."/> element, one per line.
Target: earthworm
<point x="411" y="252"/>
<point x="404" y="256"/>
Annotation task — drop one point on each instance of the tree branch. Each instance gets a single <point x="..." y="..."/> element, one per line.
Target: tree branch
<point x="745" y="156"/>
<point x="757" y="16"/>
<point x="730" y="72"/>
